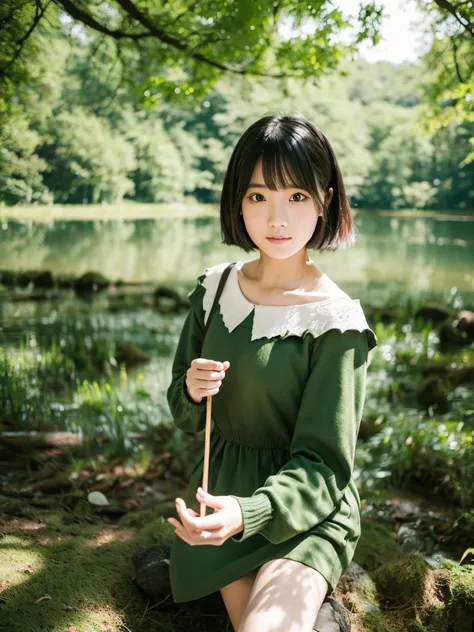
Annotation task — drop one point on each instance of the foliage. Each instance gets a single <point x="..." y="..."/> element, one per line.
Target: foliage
<point x="88" y="161"/>
<point x="432" y="454"/>
<point x="449" y="78"/>
<point x="178" y="53"/>
<point x="84" y="116"/>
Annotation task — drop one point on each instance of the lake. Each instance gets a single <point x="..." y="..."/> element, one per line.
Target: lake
<point x="397" y="254"/>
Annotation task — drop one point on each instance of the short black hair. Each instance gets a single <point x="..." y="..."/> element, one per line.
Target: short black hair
<point x="294" y="153"/>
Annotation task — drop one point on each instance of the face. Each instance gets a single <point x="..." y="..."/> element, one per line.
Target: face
<point x="286" y="212"/>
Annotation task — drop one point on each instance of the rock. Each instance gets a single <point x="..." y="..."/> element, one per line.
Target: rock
<point x="435" y="312"/>
<point x="449" y="334"/>
<point x="152" y="576"/>
<point x="433" y="391"/>
<point x="332" y="617"/>
<point x="360" y="591"/>
<point x="8" y="278"/>
<point x="409" y="540"/>
<point x="407" y="583"/>
<point x="129" y="353"/>
<point x="152" y="571"/>
<point x="91" y="282"/>
<point x="169" y="301"/>
<point x="39" y="278"/>
<point x="14" y="506"/>
<point x="459" y="331"/>
<point x="377" y="545"/>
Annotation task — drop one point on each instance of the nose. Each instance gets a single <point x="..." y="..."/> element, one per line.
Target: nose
<point x="277" y="215"/>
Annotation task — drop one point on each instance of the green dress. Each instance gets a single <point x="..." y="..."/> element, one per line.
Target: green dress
<point x="283" y="433"/>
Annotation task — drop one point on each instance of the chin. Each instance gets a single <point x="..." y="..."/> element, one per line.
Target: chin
<point x="280" y="252"/>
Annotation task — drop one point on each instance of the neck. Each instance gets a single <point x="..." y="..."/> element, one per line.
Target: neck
<point x="286" y="273"/>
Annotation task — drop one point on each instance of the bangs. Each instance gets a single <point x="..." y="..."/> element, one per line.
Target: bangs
<point x="285" y="165"/>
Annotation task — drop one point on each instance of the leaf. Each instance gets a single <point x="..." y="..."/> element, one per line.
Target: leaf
<point x="466" y="552"/>
<point x="97" y="498"/>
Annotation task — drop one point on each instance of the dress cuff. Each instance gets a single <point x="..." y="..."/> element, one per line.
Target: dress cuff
<point x="189" y="398"/>
<point x="256" y="512"/>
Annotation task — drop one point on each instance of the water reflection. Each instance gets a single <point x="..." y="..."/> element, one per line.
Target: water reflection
<point x="393" y="254"/>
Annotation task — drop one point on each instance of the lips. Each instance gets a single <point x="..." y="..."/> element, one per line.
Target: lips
<point x="278" y="238"/>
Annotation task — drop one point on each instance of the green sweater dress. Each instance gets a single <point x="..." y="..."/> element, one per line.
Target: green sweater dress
<point x="283" y="432"/>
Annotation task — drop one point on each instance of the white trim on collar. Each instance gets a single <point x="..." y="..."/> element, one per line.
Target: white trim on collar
<point x="277" y="320"/>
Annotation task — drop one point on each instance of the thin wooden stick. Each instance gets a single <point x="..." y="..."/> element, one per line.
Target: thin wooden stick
<point x="207" y="449"/>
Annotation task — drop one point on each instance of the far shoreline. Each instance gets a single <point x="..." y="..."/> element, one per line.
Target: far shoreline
<point x="137" y="210"/>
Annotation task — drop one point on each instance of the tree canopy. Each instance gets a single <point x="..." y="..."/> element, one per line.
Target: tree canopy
<point x="96" y="106"/>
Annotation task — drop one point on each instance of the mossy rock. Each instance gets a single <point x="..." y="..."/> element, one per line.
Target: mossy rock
<point x="168" y="301"/>
<point x="380" y="622"/>
<point x="8" y="278"/>
<point x="91" y="282"/>
<point x="39" y="278"/>
<point x="435" y="312"/>
<point x="130" y="353"/>
<point x="409" y="583"/>
<point x="14" y="507"/>
<point x="376" y="546"/>
<point x="457" y="585"/>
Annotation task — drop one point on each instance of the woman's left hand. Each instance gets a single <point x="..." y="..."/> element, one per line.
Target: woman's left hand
<point x="213" y="529"/>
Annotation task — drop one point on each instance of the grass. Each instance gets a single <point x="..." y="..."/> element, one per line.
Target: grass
<point x="56" y="577"/>
<point x="124" y="210"/>
<point x="60" y="574"/>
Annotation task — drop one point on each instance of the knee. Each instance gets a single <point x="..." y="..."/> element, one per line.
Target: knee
<point x="286" y="597"/>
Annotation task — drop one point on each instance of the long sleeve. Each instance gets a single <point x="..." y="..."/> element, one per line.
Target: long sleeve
<point x="187" y="414"/>
<point x="309" y="487"/>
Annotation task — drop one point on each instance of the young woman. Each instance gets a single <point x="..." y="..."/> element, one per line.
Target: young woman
<point x="286" y="353"/>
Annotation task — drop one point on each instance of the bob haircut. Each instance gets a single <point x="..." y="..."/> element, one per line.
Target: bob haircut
<point x="295" y="153"/>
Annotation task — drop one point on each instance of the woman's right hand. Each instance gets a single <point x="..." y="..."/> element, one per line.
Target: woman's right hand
<point x="204" y="377"/>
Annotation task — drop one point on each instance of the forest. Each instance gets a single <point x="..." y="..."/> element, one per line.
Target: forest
<point x="77" y="128"/>
<point x="117" y="121"/>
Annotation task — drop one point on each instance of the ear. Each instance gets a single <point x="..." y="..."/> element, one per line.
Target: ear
<point x="328" y="197"/>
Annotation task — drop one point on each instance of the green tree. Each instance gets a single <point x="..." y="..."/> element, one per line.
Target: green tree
<point x="178" y="52"/>
<point x="89" y="163"/>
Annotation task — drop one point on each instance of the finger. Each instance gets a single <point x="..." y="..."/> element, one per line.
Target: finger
<point x="186" y="519"/>
<point x="217" y="502"/>
<point x="210" y="375"/>
<point x="202" y="392"/>
<point x="181" y="533"/>
<point x="204" y="538"/>
<point x="204" y="363"/>
<point x="195" y="525"/>
<point x="195" y="538"/>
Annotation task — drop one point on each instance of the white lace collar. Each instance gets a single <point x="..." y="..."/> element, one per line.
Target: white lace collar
<point x="280" y="320"/>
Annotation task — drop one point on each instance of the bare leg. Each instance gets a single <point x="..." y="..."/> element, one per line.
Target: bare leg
<point x="236" y="597"/>
<point x="286" y="597"/>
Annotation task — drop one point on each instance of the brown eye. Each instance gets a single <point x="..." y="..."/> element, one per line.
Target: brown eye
<point x="251" y="196"/>
<point x="303" y="197"/>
